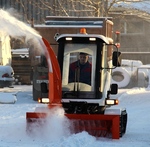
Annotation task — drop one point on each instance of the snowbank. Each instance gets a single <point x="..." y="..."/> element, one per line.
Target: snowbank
<point x="121" y="77"/>
<point x="8" y="98"/>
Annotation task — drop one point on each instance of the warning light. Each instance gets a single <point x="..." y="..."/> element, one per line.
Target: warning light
<point x="118" y="45"/>
<point x="117" y="32"/>
<point x="83" y="31"/>
<point x="117" y="39"/>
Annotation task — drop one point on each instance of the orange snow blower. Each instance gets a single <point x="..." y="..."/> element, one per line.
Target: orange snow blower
<point x="86" y="102"/>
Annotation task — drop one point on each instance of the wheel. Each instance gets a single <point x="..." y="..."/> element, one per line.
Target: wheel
<point x="36" y="94"/>
<point x="123" y="122"/>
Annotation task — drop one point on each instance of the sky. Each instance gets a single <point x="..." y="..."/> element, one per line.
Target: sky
<point x="56" y="133"/>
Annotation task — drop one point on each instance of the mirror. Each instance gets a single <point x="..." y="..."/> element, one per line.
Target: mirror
<point x="116" y="58"/>
<point x="114" y="89"/>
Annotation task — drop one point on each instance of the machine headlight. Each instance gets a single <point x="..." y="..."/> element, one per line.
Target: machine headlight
<point x="43" y="100"/>
<point x="68" y="38"/>
<point x="112" y="102"/>
<point x="92" y="39"/>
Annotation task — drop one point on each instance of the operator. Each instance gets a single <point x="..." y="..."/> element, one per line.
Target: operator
<point x="80" y="71"/>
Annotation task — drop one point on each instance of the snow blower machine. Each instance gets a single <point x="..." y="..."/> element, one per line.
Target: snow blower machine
<point x="86" y="104"/>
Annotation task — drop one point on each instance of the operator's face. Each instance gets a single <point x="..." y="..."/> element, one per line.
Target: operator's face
<point x="83" y="59"/>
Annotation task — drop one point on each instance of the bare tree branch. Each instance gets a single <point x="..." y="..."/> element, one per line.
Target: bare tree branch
<point x="40" y="8"/>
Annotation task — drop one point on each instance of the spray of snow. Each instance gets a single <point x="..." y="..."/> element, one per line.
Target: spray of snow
<point x="16" y="28"/>
<point x="54" y="127"/>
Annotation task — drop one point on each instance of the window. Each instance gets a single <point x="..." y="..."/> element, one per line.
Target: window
<point x="72" y="54"/>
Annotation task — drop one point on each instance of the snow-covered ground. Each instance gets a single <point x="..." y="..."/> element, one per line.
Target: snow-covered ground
<point x="13" y="123"/>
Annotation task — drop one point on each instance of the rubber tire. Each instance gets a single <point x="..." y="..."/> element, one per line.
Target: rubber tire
<point x="36" y="94"/>
<point x="123" y="122"/>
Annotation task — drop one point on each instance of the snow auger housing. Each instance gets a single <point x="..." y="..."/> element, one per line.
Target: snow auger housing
<point x="86" y="104"/>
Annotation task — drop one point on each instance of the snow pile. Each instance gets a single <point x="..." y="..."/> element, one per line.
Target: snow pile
<point x="7" y="98"/>
<point x="121" y="77"/>
<point x="131" y="73"/>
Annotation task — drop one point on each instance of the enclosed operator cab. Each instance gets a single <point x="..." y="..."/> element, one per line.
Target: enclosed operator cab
<point x="90" y="87"/>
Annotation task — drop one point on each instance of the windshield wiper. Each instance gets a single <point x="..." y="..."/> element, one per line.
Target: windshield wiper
<point x="76" y="81"/>
<point x="75" y="92"/>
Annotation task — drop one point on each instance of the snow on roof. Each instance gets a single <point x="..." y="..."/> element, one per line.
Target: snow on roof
<point x="139" y="5"/>
<point x="71" y="24"/>
<point x="20" y="51"/>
